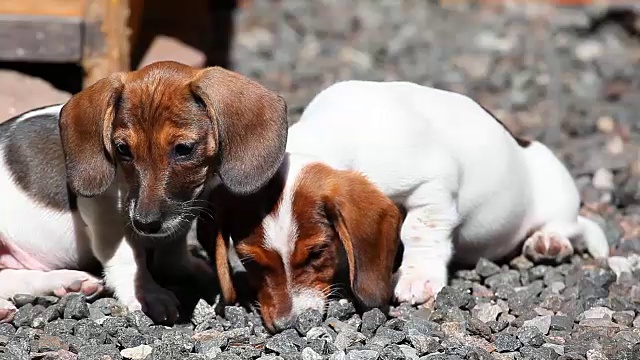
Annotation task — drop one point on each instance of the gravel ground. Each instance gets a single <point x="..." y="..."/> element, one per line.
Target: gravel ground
<point x="564" y="76"/>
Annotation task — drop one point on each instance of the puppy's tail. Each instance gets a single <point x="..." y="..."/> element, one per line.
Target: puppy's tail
<point x="594" y="238"/>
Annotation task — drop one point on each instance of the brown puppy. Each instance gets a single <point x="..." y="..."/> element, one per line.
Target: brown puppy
<point x="141" y="150"/>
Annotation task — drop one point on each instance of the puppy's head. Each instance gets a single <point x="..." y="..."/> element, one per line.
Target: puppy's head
<point x="169" y="128"/>
<point x="292" y="264"/>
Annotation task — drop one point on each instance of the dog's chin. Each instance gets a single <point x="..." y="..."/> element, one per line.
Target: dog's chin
<point x="171" y="227"/>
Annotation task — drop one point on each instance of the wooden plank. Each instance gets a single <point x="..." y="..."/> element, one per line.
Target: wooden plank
<point x="106" y="39"/>
<point x="40" y="38"/>
<point x="67" y="8"/>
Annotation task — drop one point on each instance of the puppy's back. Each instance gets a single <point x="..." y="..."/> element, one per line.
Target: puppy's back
<point x="32" y="155"/>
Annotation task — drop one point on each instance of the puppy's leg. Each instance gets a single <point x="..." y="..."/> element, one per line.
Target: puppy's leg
<point x="428" y="247"/>
<point x="556" y="241"/>
<point x="127" y="274"/>
<point x="123" y="258"/>
<point x="40" y="283"/>
<point x="7" y="311"/>
<point x="550" y="243"/>
<point x="173" y="261"/>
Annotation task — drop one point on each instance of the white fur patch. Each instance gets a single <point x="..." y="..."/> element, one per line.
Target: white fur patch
<point x="49" y="110"/>
<point x="304" y="299"/>
<point x="48" y="236"/>
<point x="281" y="231"/>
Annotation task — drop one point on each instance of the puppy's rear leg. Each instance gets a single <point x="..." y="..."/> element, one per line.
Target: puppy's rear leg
<point x="551" y="242"/>
<point x="40" y="283"/>
<point x="428" y="247"/>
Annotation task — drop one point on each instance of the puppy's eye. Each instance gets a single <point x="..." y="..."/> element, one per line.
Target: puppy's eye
<point x="124" y="151"/>
<point x="183" y="150"/>
<point x="315" y="254"/>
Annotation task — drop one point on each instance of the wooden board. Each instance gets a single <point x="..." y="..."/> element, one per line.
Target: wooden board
<point x="40" y="38"/>
<point x="66" y="8"/>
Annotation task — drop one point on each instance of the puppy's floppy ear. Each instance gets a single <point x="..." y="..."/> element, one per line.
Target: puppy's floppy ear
<point x="85" y="129"/>
<point x="368" y="224"/>
<point x="251" y="127"/>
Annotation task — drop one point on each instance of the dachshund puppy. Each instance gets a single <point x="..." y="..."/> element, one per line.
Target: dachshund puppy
<point x="122" y="168"/>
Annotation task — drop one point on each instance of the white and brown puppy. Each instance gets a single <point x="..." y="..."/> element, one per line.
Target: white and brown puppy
<point x="119" y="169"/>
<point x="469" y="187"/>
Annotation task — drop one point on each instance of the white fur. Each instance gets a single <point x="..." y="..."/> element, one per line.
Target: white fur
<point x="281" y="233"/>
<point x="452" y="166"/>
<point x="47" y="110"/>
<point x="51" y="240"/>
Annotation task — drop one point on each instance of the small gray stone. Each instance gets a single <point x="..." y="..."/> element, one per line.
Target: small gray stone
<point x="508" y="278"/>
<point x="214" y="337"/>
<point x="530" y="336"/>
<point x="321" y="332"/>
<point x="348" y="338"/>
<point x="341" y="309"/>
<point x="475" y="326"/>
<point x="47" y="343"/>
<point x="129" y="338"/>
<point x="236" y="315"/>
<point x="392" y="352"/>
<point x="140" y="352"/>
<point x="99" y="352"/>
<point x="561" y="323"/>
<point x="60" y="327"/>
<point x="394" y="336"/>
<point x="486" y="268"/>
<point x="23" y="299"/>
<point x="624" y="318"/>
<point x="372" y="320"/>
<point x="506" y="343"/>
<point x="308" y="320"/>
<point x="450" y="297"/>
<point x="425" y="344"/>
<point x="26" y="314"/>
<point x="202" y="312"/>
<point x="76" y="307"/>
<point x="287" y="341"/>
<point x="88" y="329"/>
<point x="138" y="319"/>
<point x="362" y="355"/>
<point x="542" y="323"/>
<point x="421" y="326"/>
<point x="112" y="324"/>
<point x="178" y="338"/>
<point x="310" y="354"/>
<point x="168" y="351"/>
<point x="486" y="312"/>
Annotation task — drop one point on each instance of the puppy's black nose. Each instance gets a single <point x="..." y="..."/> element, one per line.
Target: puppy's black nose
<point x="148" y="224"/>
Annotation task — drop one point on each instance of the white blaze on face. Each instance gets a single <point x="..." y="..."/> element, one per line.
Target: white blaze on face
<point x="280" y="235"/>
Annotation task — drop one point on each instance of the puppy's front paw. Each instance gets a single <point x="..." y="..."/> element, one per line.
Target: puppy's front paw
<point x="417" y="285"/>
<point x="545" y="246"/>
<point x="160" y="304"/>
<point x="7" y="311"/>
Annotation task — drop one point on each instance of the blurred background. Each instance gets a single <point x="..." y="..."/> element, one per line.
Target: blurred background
<point x="565" y="72"/>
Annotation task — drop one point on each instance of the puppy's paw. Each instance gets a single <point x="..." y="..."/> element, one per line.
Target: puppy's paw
<point x="418" y="286"/>
<point x="547" y="246"/>
<point x="160" y="304"/>
<point x="66" y="281"/>
<point x="7" y="311"/>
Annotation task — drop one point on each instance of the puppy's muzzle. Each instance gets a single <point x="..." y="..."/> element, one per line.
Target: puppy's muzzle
<point x="149" y="223"/>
